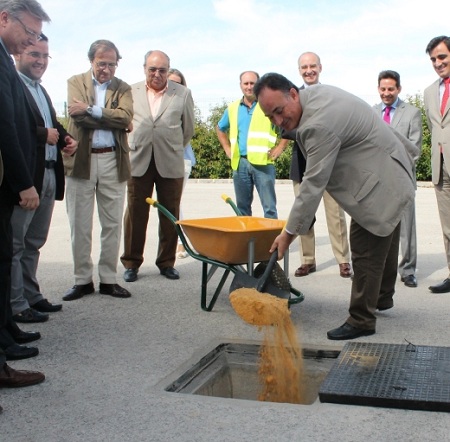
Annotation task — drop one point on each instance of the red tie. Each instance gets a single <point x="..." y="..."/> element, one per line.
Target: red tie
<point x="445" y="96"/>
<point x="387" y="116"/>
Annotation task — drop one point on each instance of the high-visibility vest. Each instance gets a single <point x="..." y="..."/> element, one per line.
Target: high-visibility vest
<point x="261" y="136"/>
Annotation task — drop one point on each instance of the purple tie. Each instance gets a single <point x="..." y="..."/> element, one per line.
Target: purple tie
<point x="387" y="114"/>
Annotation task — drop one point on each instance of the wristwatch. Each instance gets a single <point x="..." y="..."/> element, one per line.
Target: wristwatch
<point x="89" y="110"/>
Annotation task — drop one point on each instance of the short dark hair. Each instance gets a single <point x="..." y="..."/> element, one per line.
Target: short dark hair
<point x="274" y="81"/>
<point x="383" y="75"/>
<point x="16" y="7"/>
<point x="102" y="45"/>
<point x="437" y="40"/>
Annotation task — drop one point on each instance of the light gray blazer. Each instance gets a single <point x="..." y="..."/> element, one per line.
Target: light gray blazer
<point x="407" y="120"/>
<point x="439" y="126"/>
<point x="364" y="164"/>
<point x="164" y="136"/>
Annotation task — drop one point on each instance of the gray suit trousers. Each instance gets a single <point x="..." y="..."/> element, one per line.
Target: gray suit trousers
<point x="30" y="230"/>
<point x="408" y="243"/>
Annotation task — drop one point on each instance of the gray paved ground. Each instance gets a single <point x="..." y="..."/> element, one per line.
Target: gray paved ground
<point x="105" y="358"/>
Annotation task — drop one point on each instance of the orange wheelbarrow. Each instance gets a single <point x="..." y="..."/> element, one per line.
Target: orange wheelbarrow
<point x="230" y="243"/>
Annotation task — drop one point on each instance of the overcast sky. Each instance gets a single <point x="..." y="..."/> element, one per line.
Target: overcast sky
<point x="213" y="41"/>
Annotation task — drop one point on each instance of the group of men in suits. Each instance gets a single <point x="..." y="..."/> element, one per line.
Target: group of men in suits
<point x="129" y="136"/>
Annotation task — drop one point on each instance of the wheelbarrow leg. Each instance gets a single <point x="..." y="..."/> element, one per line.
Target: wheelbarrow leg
<point x="206" y="276"/>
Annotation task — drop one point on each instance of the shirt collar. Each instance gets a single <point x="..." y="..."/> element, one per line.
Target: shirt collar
<point x="161" y="92"/>
<point x="394" y="105"/>
<point x="96" y="83"/>
<point x="29" y="81"/>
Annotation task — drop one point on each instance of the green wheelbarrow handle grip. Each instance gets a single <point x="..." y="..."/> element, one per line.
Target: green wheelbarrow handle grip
<point x="229" y="201"/>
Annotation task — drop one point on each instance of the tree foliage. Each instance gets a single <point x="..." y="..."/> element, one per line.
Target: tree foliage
<point x="423" y="165"/>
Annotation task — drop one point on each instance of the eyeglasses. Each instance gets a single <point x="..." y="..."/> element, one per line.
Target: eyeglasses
<point x="30" y="33"/>
<point x="104" y="65"/>
<point x="38" y="55"/>
<point x="162" y="71"/>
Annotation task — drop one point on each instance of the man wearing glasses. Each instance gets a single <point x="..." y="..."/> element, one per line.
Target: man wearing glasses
<point x="100" y="112"/>
<point x="30" y="228"/>
<point x="20" y="27"/>
<point x="163" y="125"/>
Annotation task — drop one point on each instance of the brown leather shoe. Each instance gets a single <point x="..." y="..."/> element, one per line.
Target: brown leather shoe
<point x="305" y="270"/>
<point x="345" y="270"/>
<point x="10" y="378"/>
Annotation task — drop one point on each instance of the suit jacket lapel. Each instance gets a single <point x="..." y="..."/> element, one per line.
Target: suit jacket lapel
<point x="398" y="113"/>
<point x="167" y="98"/>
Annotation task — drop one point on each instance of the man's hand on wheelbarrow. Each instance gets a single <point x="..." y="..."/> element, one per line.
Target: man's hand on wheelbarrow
<point x="282" y="242"/>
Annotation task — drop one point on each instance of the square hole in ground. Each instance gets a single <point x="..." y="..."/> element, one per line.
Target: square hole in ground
<point x="230" y="370"/>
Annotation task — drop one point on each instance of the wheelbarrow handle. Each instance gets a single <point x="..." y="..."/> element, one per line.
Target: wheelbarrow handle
<point x="265" y="276"/>
<point x="229" y="201"/>
<point x="162" y="209"/>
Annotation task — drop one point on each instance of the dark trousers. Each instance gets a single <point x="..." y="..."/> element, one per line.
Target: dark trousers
<point x="6" y="253"/>
<point x="168" y="192"/>
<point x="374" y="260"/>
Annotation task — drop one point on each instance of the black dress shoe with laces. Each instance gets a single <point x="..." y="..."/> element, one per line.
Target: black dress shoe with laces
<point x="30" y="315"/>
<point x="347" y="331"/>
<point x="114" y="290"/>
<point x="44" y="306"/>
<point x="443" y="287"/>
<point x="78" y="291"/>
<point x="16" y="351"/>
<point x="170" y="273"/>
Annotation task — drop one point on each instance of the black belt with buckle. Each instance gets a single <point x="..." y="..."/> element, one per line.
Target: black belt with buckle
<point x="103" y="149"/>
<point x="50" y="164"/>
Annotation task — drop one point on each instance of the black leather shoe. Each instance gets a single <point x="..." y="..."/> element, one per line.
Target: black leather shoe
<point x="24" y="337"/>
<point x="443" y="287"/>
<point x="170" y="273"/>
<point x="78" y="291"/>
<point x="44" y="306"/>
<point x="383" y="307"/>
<point x="30" y="315"/>
<point x="410" y="280"/>
<point x="130" y="275"/>
<point x="114" y="290"/>
<point x="16" y="351"/>
<point x="347" y="331"/>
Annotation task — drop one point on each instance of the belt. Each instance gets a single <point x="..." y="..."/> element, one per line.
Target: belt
<point x="50" y="164"/>
<point x="244" y="156"/>
<point x="103" y="149"/>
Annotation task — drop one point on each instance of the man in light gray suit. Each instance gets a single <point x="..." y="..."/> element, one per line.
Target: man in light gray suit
<point x="366" y="167"/>
<point x="437" y="109"/>
<point x="163" y="125"/>
<point x="407" y="120"/>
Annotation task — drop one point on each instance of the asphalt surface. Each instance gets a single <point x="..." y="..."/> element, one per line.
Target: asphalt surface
<point x="106" y="360"/>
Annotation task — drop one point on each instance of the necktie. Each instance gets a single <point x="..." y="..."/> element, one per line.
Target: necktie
<point x="387" y="114"/>
<point x="445" y="96"/>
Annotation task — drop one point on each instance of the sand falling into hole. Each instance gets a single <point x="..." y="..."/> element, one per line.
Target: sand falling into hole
<point x="281" y="364"/>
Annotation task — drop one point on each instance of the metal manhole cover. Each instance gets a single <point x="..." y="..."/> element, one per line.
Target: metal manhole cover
<point x="390" y="375"/>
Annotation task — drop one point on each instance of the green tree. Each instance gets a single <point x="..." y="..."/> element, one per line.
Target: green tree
<point x="423" y="165"/>
<point x="211" y="159"/>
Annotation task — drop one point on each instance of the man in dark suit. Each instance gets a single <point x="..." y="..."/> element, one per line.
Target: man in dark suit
<point x="366" y="166"/>
<point x="30" y="228"/>
<point x="437" y="110"/>
<point x="163" y="124"/>
<point x="407" y="120"/>
<point x="20" y="28"/>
